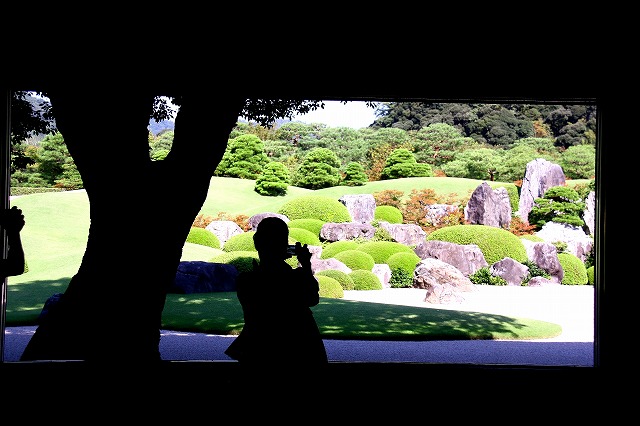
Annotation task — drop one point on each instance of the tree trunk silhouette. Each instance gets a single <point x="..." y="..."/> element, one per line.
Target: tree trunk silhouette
<point x="141" y="212"/>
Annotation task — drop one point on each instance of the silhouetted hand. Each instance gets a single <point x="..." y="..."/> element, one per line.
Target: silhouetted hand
<point x="303" y="254"/>
<point x="12" y="220"/>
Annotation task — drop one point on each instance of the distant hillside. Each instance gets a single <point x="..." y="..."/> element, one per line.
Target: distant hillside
<point x="157" y="127"/>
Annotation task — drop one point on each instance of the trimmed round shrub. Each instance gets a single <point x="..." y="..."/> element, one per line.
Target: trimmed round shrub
<point x="319" y="207"/>
<point x="389" y="214"/>
<point x="365" y="280"/>
<point x="404" y="261"/>
<point x="329" y="287"/>
<point x="330" y="250"/>
<point x="381" y="250"/>
<point x="494" y="243"/>
<point x="575" y="273"/>
<point x="591" y="272"/>
<point x="244" y="242"/>
<point x="356" y="259"/>
<point x="242" y="260"/>
<point x="240" y="242"/>
<point x="204" y="237"/>
<point x="313" y="225"/>
<point x="342" y="277"/>
<point x="304" y="236"/>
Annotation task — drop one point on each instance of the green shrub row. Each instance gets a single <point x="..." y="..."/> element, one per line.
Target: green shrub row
<point x="311" y="212"/>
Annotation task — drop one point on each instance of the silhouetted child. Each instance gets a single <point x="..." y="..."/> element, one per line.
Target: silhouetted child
<point x="280" y="333"/>
<point x="12" y="221"/>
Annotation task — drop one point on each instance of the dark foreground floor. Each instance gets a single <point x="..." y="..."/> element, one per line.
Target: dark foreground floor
<point x="183" y="346"/>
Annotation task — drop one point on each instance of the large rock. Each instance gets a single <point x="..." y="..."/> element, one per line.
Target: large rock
<point x="204" y="277"/>
<point x="443" y="282"/>
<point x="318" y="265"/>
<point x="224" y="229"/>
<point x="545" y="256"/>
<point x="346" y="231"/>
<point x="578" y="242"/>
<point x="467" y="258"/>
<point x="383" y="272"/>
<point x="539" y="176"/>
<point x="590" y="213"/>
<point x="361" y="207"/>
<point x="404" y="233"/>
<point x="512" y="271"/>
<point x="488" y="206"/>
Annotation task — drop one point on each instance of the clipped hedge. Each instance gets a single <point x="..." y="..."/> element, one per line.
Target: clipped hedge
<point x="494" y="243"/>
<point x="304" y="236"/>
<point x="204" y="237"/>
<point x="240" y="242"/>
<point x="575" y="273"/>
<point x="389" y="214"/>
<point x="330" y="250"/>
<point x="365" y="280"/>
<point x="342" y="277"/>
<point x="313" y="225"/>
<point x="329" y="287"/>
<point x="382" y="250"/>
<point x="356" y="259"/>
<point x="242" y="260"/>
<point x="591" y="272"/>
<point x="404" y="261"/>
<point x="319" y="207"/>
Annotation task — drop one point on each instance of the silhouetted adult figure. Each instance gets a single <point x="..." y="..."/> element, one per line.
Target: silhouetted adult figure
<point x="12" y="221"/>
<point x="12" y="262"/>
<point x="280" y="334"/>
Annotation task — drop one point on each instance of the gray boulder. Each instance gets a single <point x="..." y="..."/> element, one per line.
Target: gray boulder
<point x="404" y="233"/>
<point x="467" y="258"/>
<point x="224" y="229"/>
<point x="444" y="283"/>
<point x="204" y="277"/>
<point x="318" y="265"/>
<point x="512" y="271"/>
<point x="545" y="256"/>
<point x="361" y="207"/>
<point x="346" y="231"/>
<point x="383" y="272"/>
<point x="488" y="206"/>
<point x="540" y="175"/>
<point x="578" y="242"/>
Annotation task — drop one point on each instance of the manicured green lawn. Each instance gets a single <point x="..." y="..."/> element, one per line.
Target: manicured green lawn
<point x="220" y="313"/>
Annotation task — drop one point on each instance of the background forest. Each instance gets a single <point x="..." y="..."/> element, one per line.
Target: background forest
<point x="492" y="142"/>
